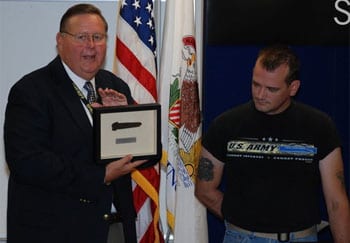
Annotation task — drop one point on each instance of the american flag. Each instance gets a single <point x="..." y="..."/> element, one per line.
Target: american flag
<point x="135" y="63"/>
<point x="136" y="49"/>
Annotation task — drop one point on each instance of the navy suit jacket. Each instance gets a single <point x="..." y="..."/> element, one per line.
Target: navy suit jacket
<point x="56" y="192"/>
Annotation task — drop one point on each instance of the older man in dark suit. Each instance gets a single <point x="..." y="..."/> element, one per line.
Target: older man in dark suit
<point x="57" y="193"/>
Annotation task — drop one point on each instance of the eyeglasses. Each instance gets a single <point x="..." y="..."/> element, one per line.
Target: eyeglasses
<point x="84" y="38"/>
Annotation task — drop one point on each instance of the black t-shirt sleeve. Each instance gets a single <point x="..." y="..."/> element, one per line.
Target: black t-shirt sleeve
<point x="214" y="139"/>
<point x="329" y="139"/>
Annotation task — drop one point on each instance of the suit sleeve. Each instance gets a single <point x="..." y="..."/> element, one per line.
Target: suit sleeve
<point x="42" y="147"/>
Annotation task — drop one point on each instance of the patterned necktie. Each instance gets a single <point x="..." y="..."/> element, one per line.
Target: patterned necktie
<point x="91" y="97"/>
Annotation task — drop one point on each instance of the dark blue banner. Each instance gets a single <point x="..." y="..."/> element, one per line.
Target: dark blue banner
<point x="310" y="22"/>
<point x="318" y="30"/>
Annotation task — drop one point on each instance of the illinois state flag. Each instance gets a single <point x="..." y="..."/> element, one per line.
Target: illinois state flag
<point x="135" y="63"/>
<point x="181" y="123"/>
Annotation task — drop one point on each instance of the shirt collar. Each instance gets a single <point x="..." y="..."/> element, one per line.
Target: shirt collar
<point x="78" y="81"/>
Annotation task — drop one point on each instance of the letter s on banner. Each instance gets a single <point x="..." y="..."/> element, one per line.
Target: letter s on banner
<point x="341" y="10"/>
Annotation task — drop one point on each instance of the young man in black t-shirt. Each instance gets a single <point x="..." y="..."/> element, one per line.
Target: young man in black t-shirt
<point x="275" y="152"/>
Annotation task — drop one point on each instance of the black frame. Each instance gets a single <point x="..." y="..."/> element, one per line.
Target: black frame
<point x="141" y="141"/>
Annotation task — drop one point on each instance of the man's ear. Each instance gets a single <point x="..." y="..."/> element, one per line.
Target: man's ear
<point x="58" y="41"/>
<point x="294" y="87"/>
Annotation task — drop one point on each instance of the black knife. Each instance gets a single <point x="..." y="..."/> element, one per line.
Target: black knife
<point x="124" y="125"/>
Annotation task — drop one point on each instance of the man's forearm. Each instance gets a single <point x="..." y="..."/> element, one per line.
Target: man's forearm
<point x="213" y="201"/>
<point x="339" y="217"/>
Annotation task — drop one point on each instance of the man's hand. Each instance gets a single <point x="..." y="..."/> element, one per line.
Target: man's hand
<point x="110" y="97"/>
<point x="121" y="167"/>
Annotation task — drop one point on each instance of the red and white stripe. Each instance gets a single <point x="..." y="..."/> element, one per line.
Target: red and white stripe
<point x="174" y="113"/>
<point x="135" y="64"/>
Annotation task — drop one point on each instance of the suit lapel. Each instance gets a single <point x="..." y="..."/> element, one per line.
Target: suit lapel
<point x="69" y="97"/>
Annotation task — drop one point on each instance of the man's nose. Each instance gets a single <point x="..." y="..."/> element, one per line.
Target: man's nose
<point x="90" y="41"/>
<point x="261" y="92"/>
